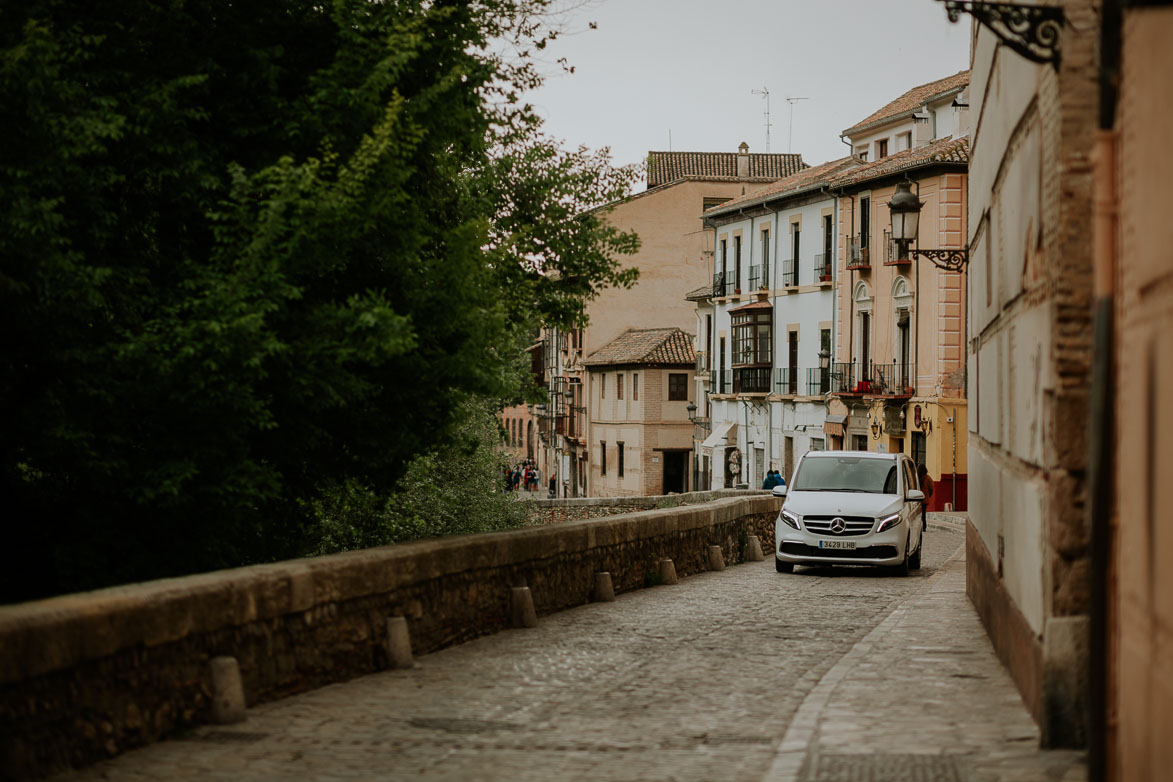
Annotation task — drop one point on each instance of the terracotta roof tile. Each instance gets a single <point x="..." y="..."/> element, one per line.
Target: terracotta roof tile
<point x="946" y="150"/>
<point x="646" y="346"/>
<point x="664" y="167"/>
<point x="701" y="293"/>
<point x="757" y="305"/>
<point x="912" y="100"/>
<point x="803" y="180"/>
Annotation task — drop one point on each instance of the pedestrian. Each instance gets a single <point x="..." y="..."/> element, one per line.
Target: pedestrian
<point x="768" y="483"/>
<point x="926" y="486"/>
<point x="516" y="478"/>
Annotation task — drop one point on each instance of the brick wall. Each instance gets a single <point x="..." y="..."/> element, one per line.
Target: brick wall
<point x="87" y="676"/>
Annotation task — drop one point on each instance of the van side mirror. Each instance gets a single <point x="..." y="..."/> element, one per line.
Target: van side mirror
<point x="916" y="495"/>
<point x="780" y="491"/>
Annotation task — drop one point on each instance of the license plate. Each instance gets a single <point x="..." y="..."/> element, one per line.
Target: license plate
<point x="836" y="544"/>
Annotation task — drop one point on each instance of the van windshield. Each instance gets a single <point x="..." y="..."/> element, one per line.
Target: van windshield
<point x="846" y="473"/>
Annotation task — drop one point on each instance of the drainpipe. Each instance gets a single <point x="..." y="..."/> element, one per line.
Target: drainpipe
<point x="1102" y="431"/>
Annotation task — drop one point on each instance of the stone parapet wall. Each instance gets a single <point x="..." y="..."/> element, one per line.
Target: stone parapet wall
<point x="90" y="675"/>
<point x="579" y="508"/>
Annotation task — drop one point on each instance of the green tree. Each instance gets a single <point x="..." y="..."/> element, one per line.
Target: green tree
<point x="253" y="252"/>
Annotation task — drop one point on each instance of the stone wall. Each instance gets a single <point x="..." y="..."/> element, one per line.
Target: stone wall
<point x="87" y="676"/>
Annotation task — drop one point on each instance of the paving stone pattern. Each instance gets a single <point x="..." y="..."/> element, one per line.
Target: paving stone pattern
<point x="722" y="676"/>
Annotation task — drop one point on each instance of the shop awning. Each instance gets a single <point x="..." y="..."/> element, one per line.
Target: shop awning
<point x="720" y="435"/>
<point x="833" y="425"/>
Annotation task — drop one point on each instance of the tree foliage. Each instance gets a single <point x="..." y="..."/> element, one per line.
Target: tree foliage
<point x="251" y="252"/>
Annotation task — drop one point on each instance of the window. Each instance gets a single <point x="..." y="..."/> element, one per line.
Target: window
<point x="828" y="237"/>
<point x="751" y="336"/>
<point x="710" y="201"/>
<point x="602" y="457"/>
<point x="904" y="141"/>
<point x="818" y="444"/>
<point x="603" y="385"/>
<point x="795" y="233"/>
<point x="618" y="385"/>
<point x="724" y="257"/>
<point x="881" y="148"/>
<point x="677" y="387"/>
<point x="619" y="449"/>
<point x="737" y="263"/>
<point x="865" y="222"/>
<point x="635" y="386"/>
<point x="765" y="258"/>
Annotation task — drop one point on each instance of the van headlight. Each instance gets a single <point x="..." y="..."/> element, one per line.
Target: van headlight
<point x="888" y="522"/>
<point x="791" y="519"/>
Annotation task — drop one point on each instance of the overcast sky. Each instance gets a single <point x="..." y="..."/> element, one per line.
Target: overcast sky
<point x="689" y="68"/>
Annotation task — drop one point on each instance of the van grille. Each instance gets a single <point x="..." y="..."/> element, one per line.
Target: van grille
<point x="856" y="525"/>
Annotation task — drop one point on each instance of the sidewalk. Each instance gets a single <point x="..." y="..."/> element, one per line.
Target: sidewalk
<point x="921" y="697"/>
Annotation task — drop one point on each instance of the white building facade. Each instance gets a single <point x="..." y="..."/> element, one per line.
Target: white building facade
<point x="762" y="327"/>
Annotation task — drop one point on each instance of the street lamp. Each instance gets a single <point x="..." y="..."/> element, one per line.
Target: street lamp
<point x="692" y="411"/>
<point x="905" y="210"/>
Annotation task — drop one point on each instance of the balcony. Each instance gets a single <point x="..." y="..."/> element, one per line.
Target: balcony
<point x="850" y="379"/>
<point x="892" y="257"/>
<point x="790" y="273"/>
<point x="720" y="381"/>
<point x="701" y="429"/>
<point x="823" y="268"/>
<point x="732" y="284"/>
<point x="702" y="363"/>
<point x="858" y="253"/>
<point x="758" y="278"/>
<point x="894" y="380"/>
<point x="818" y="381"/>
<point x="751" y="380"/>
<point x="786" y="381"/>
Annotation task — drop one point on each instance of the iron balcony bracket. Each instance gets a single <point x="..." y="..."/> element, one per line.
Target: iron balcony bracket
<point x="1030" y="30"/>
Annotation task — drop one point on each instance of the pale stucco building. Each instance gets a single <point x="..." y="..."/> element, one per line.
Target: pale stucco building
<point x="639" y="430"/>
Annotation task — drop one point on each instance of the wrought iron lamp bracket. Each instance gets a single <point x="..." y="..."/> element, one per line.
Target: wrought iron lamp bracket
<point x="1030" y="30"/>
<point x="948" y="260"/>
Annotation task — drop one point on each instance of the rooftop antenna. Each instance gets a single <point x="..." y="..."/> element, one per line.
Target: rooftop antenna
<point x="765" y="93"/>
<point x="790" y="133"/>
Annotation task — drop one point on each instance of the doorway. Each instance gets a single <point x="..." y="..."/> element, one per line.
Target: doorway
<point x="675" y="466"/>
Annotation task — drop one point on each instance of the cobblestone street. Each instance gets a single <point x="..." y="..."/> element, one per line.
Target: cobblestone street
<point x="745" y="674"/>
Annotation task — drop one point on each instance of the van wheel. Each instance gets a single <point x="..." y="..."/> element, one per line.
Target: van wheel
<point x="783" y="567"/>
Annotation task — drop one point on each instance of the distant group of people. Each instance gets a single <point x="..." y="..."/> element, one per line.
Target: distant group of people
<point x="524" y="475"/>
<point x="773" y="478"/>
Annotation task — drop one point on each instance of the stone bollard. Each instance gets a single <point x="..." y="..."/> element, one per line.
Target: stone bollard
<point x="754" y="551"/>
<point x="667" y="572"/>
<point x="227" y="691"/>
<point x="399" y="643"/>
<point x="716" y="558"/>
<point x="523" y="608"/>
<point x="604" y="590"/>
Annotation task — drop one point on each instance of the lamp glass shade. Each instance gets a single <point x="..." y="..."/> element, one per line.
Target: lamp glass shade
<point x="905" y="209"/>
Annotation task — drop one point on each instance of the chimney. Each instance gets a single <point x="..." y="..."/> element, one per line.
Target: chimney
<point x="743" y="161"/>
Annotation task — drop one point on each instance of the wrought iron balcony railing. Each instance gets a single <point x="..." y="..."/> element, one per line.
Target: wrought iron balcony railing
<point x="893" y="254"/>
<point x="823" y="267"/>
<point x="894" y="379"/>
<point x="755" y="278"/>
<point x="789" y="273"/>
<point x="786" y="380"/>
<point x="818" y="381"/>
<point x="858" y="256"/>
